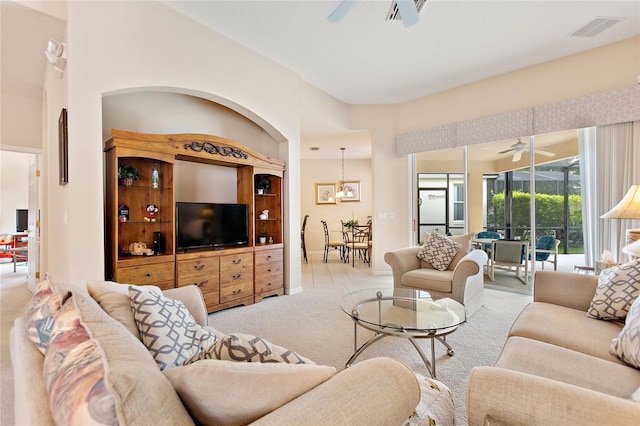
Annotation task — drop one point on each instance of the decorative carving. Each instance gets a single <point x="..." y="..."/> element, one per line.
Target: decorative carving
<point x="225" y="151"/>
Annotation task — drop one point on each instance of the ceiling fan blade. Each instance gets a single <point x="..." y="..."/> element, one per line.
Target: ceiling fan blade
<point x="517" y="156"/>
<point x="341" y="10"/>
<point x="545" y="153"/>
<point x="408" y="12"/>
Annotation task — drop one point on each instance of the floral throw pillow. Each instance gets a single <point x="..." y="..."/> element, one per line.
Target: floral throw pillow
<point x="617" y="289"/>
<point x="166" y="327"/>
<point x="439" y="251"/>
<point x="627" y="345"/>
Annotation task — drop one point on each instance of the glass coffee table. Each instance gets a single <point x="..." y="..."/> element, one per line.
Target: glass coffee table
<point x="411" y="314"/>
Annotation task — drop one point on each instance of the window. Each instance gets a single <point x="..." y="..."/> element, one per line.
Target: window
<point x="458" y="201"/>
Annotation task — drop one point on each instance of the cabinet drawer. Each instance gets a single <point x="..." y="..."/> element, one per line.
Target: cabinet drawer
<point x="231" y="278"/>
<point x="266" y="283"/>
<point x="236" y="291"/>
<point x="268" y="256"/>
<point x="146" y="274"/>
<point x="273" y="268"/>
<point x="236" y="263"/>
<point x="206" y="266"/>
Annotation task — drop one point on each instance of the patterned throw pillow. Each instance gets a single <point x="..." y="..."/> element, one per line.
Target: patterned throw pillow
<point x="439" y="251"/>
<point x="627" y="345"/>
<point x="617" y="288"/>
<point x="248" y="348"/>
<point x="435" y="406"/>
<point x="39" y="314"/>
<point x="75" y="374"/>
<point x="167" y="328"/>
<point x="275" y="383"/>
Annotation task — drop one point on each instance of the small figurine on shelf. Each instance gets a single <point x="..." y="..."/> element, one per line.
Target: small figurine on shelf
<point x="152" y="211"/>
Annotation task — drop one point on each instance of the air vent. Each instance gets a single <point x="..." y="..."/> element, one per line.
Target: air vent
<point x="394" y="13"/>
<point x="595" y="27"/>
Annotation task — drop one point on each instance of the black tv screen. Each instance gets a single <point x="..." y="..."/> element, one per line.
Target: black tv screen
<point x="22" y="220"/>
<point x="211" y="225"/>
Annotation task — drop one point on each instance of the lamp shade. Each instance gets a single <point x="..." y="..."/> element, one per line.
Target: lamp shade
<point x="628" y="207"/>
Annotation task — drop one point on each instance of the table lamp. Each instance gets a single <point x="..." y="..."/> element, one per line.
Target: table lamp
<point x="633" y="250"/>
<point x="627" y="208"/>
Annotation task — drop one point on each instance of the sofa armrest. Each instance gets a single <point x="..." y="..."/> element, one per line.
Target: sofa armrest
<point x="401" y="261"/>
<point x="470" y="265"/>
<point x="515" y="398"/>
<point x="565" y="289"/>
<point x="376" y="391"/>
<point x="193" y="299"/>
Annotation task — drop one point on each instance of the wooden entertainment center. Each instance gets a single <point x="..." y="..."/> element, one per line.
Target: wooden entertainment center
<point x="227" y="277"/>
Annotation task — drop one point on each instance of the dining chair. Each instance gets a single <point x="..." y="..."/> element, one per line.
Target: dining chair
<point x="359" y="244"/>
<point x="332" y="244"/>
<point x="488" y="235"/>
<point x="302" y="242"/>
<point x="509" y="254"/>
<point x="546" y="246"/>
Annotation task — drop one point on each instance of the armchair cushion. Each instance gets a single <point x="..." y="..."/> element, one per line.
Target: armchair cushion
<point x="627" y="345"/>
<point x="439" y="251"/>
<point x="273" y="384"/>
<point x="167" y="328"/>
<point x="617" y="288"/>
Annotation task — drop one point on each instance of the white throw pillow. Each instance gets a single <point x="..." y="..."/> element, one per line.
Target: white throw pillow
<point x="439" y="251"/>
<point x="248" y="348"/>
<point x="167" y="328"/>
<point x="238" y="393"/>
<point x="617" y="288"/>
<point x="627" y="345"/>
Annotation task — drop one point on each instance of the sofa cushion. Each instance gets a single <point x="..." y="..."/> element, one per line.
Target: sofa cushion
<point x="439" y="251"/>
<point x="114" y="299"/>
<point x="568" y="328"/>
<point x="243" y="391"/>
<point x="430" y="279"/>
<point x="627" y="345"/>
<point x="44" y="304"/>
<point x="617" y="288"/>
<point x="248" y="348"/>
<point x="568" y="366"/>
<point x="96" y="368"/>
<point x="167" y="328"/>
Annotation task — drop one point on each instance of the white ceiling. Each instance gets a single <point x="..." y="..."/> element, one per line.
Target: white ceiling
<point x="363" y="59"/>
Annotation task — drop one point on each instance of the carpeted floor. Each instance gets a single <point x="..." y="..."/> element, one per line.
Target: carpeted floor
<point x="313" y="324"/>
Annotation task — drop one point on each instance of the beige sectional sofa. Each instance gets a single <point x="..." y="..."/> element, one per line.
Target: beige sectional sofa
<point x="555" y="367"/>
<point x="376" y="391"/>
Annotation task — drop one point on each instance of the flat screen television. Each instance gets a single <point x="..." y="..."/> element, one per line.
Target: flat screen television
<point x="211" y="225"/>
<point x="22" y="220"/>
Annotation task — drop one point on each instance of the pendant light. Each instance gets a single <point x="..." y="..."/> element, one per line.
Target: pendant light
<point x="340" y="192"/>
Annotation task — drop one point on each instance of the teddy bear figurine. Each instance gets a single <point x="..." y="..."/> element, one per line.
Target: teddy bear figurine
<point x="152" y="211"/>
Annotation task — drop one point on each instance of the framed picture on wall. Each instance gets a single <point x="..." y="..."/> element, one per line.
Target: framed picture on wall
<point x="63" y="147"/>
<point x="325" y="193"/>
<point x="351" y="190"/>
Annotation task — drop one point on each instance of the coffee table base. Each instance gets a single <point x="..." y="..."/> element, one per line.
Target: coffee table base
<point x="441" y="336"/>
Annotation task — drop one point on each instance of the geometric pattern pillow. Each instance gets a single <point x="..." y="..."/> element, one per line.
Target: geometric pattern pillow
<point x="617" y="289"/>
<point x="74" y="373"/>
<point x="167" y="328"/>
<point x="204" y="388"/>
<point x="439" y="251"/>
<point x="40" y="313"/>
<point x="627" y="345"/>
<point x="248" y="348"/>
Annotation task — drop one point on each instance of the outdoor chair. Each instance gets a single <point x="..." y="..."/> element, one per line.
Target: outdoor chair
<point x="546" y="247"/>
<point x="511" y="254"/>
<point x="487" y="234"/>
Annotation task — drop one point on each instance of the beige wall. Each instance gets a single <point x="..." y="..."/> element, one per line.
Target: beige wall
<point x="329" y="171"/>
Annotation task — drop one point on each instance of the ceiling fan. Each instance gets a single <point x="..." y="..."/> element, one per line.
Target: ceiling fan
<point x="519" y="147"/>
<point x="406" y="10"/>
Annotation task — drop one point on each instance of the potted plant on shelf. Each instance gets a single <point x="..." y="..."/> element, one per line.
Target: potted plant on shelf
<point x="263" y="237"/>
<point x="127" y="174"/>
<point x="263" y="184"/>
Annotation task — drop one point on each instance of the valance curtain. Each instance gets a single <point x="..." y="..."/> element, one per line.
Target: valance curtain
<point x="609" y="165"/>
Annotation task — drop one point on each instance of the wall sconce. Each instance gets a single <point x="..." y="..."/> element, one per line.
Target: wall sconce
<point x="56" y="53"/>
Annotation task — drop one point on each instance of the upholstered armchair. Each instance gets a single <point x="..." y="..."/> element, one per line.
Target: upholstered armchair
<point x="462" y="281"/>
